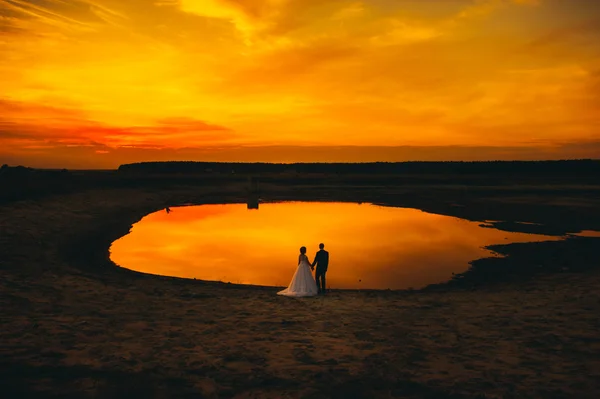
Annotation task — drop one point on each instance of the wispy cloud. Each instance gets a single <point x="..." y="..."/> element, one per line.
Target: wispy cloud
<point x="37" y="125"/>
<point x="70" y="15"/>
<point x="586" y="29"/>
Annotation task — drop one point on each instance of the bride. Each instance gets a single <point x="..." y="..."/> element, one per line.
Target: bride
<point x="303" y="283"/>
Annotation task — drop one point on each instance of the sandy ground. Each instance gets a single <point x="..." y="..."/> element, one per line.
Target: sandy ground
<point x="73" y="324"/>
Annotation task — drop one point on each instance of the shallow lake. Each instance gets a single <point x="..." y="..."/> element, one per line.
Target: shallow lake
<point x="370" y="246"/>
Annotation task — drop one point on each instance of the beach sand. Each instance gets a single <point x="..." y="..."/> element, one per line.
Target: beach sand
<point x="76" y="325"/>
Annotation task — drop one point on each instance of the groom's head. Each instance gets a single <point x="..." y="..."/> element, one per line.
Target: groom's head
<point x="321" y="246"/>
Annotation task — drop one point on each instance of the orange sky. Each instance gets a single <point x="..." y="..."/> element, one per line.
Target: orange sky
<point x="96" y="83"/>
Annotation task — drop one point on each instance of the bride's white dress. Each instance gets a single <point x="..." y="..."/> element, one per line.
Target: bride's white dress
<point x="303" y="283"/>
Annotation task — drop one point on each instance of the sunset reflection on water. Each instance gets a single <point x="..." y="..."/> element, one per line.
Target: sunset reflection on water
<point x="370" y="246"/>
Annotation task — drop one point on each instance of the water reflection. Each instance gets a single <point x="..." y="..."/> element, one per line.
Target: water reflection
<point x="370" y="246"/>
<point x="587" y="233"/>
<point x="252" y="203"/>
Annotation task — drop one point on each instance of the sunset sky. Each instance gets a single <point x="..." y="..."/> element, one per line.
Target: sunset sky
<point x="97" y="83"/>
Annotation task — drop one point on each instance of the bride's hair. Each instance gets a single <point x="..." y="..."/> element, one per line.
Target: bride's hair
<point x="302" y="250"/>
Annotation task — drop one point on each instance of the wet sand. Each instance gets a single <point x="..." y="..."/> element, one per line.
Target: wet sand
<point x="75" y="325"/>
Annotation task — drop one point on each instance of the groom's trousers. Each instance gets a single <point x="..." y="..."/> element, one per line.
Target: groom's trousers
<point x="320" y="279"/>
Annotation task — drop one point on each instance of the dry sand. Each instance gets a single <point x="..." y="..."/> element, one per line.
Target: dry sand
<point x="75" y="325"/>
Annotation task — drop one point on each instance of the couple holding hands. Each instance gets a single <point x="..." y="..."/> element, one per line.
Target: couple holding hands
<point x="303" y="283"/>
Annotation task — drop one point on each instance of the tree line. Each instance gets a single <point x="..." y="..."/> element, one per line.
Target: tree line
<point x="584" y="166"/>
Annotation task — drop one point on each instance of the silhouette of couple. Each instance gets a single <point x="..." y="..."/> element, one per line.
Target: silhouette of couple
<point x="303" y="283"/>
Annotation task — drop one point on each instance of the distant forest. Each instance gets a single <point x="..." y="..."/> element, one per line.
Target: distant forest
<point x="19" y="182"/>
<point x="567" y="167"/>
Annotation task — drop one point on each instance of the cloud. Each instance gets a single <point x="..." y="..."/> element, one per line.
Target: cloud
<point x="483" y="8"/>
<point x="73" y="14"/>
<point x="22" y="109"/>
<point x="403" y="32"/>
<point x="189" y="124"/>
<point x="9" y="20"/>
<point x="21" y="122"/>
<point x="589" y="28"/>
<point x="247" y="16"/>
<point x="287" y="65"/>
<point x="528" y="2"/>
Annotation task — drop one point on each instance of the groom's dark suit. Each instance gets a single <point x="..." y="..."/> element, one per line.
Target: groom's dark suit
<point x="322" y="261"/>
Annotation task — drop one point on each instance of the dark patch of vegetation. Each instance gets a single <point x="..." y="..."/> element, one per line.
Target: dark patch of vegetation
<point x="567" y="167"/>
<point x="18" y="183"/>
<point x="523" y="261"/>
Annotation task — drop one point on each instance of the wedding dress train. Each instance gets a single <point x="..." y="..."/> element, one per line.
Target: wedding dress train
<point x="303" y="282"/>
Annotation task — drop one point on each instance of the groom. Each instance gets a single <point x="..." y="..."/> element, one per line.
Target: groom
<point x="322" y="261"/>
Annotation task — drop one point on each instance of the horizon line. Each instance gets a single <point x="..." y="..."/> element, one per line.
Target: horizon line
<point x="311" y="163"/>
